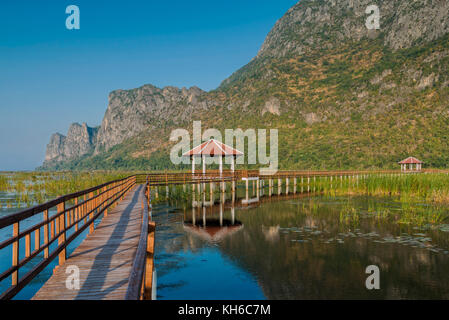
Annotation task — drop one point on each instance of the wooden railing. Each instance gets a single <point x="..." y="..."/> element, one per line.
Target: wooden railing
<point x="74" y="214"/>
<point x="141" y="279"/>
<point x="168" y="178"/>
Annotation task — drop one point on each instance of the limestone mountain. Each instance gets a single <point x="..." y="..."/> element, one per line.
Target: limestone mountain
<point x="132" y="111"/>
<point x="340" y="94"/>
<point x="80" y="140"/>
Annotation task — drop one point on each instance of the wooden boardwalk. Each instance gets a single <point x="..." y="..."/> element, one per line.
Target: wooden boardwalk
<point x="104" y="258"/>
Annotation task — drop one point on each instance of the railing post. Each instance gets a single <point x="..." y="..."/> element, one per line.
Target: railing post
<point x="77" y="210"/>
<point x="148" y="284"/>
<point x="15" y="255"/>
<point x="27" y="245"/>
<point x="91" y="215"/>
<point x="104" y="200"/>
<point x="61" y="240"/>
<point x="46" y="235"/>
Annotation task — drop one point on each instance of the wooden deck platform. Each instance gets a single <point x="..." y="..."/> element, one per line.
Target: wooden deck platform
<point x="104" y="258"/>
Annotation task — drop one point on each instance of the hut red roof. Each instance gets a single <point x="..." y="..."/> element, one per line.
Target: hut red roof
<point x="213" y="148"/>
<point x="410" y="160"/>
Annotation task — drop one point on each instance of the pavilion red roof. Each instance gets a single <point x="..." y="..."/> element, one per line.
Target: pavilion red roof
<point x="411" y="160"/>
<point x="213" y="148"/>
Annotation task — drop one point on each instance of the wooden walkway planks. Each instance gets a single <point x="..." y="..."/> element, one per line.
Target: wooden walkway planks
<point x="104" y="258"/>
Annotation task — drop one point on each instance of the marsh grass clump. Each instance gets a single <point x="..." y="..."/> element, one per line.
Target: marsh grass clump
<point x="32" y="188"/>
<point x="432" y="187"/>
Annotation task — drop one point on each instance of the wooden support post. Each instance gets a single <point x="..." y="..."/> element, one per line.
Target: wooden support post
<point x="104" y="200"/>
<point x="52" y="229"/>
<point x="15" y="255"/>
<point x="61" y="240"/>
<point x="37" y="239"/>
<point x="91" y="215"/>
<point x="27" y="245"/>
<point x="149" y="263"/>
<point x="77" y="214"/>
<point x="46" y="234"/>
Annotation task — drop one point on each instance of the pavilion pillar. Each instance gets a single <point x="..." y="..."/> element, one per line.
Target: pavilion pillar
<point x="221" y="166"/>
<point x="204" y="164"/>
<point x="193" y="164"/>
<point x="211" y="191"/>
<point x="232" y="171"/>
<point x="294" y="184"/>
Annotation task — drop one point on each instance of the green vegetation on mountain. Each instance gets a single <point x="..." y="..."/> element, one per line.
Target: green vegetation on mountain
<point x="341" y="96"/>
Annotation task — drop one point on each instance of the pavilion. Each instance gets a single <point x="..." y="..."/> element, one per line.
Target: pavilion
<point x="410" y="161"/>
<point x="213" y="148"/>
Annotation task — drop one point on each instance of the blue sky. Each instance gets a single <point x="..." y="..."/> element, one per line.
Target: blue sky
<point x="51" y="76"/>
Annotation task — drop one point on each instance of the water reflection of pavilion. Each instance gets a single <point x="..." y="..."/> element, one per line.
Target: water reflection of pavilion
<point x="213" y="218"/>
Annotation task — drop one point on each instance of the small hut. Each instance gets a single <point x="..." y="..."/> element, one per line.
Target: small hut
<point x="409" y="162"/>
<point x="213" y="148"/>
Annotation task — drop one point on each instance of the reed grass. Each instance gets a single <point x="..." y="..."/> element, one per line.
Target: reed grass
<point x="430" y="187"/>
<point x="26" y="189"/>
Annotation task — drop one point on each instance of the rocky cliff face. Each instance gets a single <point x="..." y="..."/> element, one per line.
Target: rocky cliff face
<point x="80" y="140"/>
<point x="132" y="111"/>
<point x="313" y="24"/>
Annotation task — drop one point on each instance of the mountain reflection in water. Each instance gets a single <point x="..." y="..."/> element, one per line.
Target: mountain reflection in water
<point x="296" y="246"/>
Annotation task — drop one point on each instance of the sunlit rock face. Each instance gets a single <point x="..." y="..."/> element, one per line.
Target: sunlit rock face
<point x="326" y="23"/>
<point x="132" y="111"/>
<point x="80" y="140"/>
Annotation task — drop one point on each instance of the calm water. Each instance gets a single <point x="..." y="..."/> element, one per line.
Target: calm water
<point x="299" y="248"/>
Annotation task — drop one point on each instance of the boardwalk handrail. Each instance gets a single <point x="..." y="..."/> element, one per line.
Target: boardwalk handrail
<point x="141" y="277"/>
<point x="87" y="206"/>
<point x="167" y="178"/>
